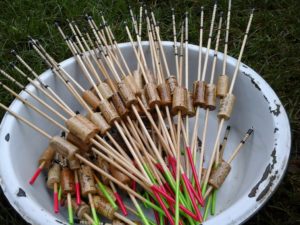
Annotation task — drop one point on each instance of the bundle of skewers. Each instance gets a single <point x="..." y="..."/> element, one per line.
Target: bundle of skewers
<point x="133" y="139"/>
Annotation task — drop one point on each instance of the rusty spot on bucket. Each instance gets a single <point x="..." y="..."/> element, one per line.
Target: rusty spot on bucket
<point x="7" y="137"/>
<point x="253" y="81"/>
<point x="21" y="193"/>
<point x="265" y="175"/>
<point x="267" y="188"/>
<point x="275" y="111"/>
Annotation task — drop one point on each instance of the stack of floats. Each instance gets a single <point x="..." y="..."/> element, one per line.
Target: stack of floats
<point x="133" y="138"/>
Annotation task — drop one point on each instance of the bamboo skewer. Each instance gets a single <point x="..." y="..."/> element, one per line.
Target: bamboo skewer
<point x="144" y="147"/>
<point x="226" y="38"/>
<point x="234" y="154"/>
<point x="85" y="161"/>
<point x="130" y="147"/>
<point x="37" y="77"/>
<point x="224" y="142"/>
<point x="40" y="112"/>
<point x="73" y="92"/>
<point x="222" y="120"/>
<point x="175" y="42"/>
<point x="195" y="130"/>
<point x="204" y="134"/>
<point x="145" y="68"/>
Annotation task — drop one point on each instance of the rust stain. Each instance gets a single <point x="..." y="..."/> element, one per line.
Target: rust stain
<point x="267" y="188"/>
<point x="262" y="179"/>
<point x="253" y="81"/>
<point x="21" y="193"/>
<point x="265" y="175"/>
<point x="275" y="111"/>
<point x="7" y="137"/>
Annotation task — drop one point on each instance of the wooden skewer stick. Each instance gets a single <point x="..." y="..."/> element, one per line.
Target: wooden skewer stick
<point x="238" y="148"/>
<point x="142" y="106"/>
<point x="142" y="67"/>
<point x="129" y="120"/>
<point x="39" y="111"/>
<point x="178" y="153"/>
<point x="186" y="61"/>
<point x="234" y="154"/>
<point x="195" y="130"/>
<point x="30" y="105"/>
<point x="175" y="42"/>
<point x="38" y="79"/>
<point x="115" y="155"/>
<point x="130" y="147"/>
<point x="160" y="81"/>
<point x="224" y="142"/>
<point x="84" y="160"/>
<point x="222" y="120"/>
<point x="145" y="68"/>
<point x="194" y="136"/>
<point x="204" y="134"/>
<point x="100" y="81"/>
<point x="226" y="38"/>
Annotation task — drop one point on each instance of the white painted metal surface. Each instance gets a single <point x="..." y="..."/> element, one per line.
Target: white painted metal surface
<point x="256" y="172"/>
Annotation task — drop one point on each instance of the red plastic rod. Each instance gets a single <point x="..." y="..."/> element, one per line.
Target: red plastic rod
<point x="189" y="153"/>
<point x="78" y="198"/>
<point x="121" y="204"/>
<point x="35" y="175"/>
<point x="161" y="203"/>
<point x="172" y="201"/>
<point x="198" y="213"/>
<point x="55" y="198"/>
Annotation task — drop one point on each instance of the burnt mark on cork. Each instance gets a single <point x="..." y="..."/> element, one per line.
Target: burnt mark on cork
<point x="252" y="81"/>
<point x="243" y="65"/>
<point x="275" y="111"/>
<point x="7" y="137"/>
<point x="265" y="175"/>
<point x="276" y="129"/>
<point x="267" y="188"/>
<point x="21" y="193"/>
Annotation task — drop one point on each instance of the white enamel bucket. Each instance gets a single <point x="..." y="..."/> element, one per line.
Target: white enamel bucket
<point x="256" y="171"/>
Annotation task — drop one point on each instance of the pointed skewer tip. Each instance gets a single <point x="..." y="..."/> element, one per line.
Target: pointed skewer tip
<point x="250" y="131"/>
<point x="12" y="64"/>
<point x="57" y="23"/>
<point x="13" y="52"/>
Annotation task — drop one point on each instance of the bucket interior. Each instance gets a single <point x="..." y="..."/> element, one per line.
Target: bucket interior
<point x="251" y="110"/>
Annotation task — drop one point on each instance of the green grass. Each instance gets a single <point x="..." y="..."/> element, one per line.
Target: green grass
<point x="273" y="51"/>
